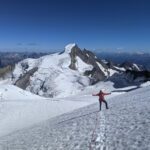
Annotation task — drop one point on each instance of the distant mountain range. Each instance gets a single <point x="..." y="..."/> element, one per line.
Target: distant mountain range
<point x="140" y="58"/>
<point x="11" y="58"/>
<point x="121" y="57"/>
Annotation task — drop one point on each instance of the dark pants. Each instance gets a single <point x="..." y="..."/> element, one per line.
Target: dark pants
<point x="100" y="104"/>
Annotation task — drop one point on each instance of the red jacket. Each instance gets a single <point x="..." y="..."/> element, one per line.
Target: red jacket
<point x="101" y="95"/>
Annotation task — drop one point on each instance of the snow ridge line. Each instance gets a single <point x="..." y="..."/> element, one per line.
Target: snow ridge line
<point x="77" y="117"/>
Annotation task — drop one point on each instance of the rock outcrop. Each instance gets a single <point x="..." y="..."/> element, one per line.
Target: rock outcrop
<point x="24" y="80"/>
<point x="138" y="75"/>
<point x="131" y="66"/>
<point x="99" y="71"/>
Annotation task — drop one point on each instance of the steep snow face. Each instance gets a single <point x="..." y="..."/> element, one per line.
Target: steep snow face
<point x="69" y="47"/>
<point x="82" y="66"/>
<point x="102" y="69"/>
<point x="120" y="68"/>
<point x="111" y="72"/>
<point x="136" y="67"/>
<point x="54" y="78"/>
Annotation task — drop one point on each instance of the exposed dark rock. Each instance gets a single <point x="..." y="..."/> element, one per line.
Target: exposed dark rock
<point x="24" y="66"/>
<point x="24" y="80"/>
<point x="110" y="64"/>
<point x="143" y="75"/>
<point x="113" y="66"/>
<point x="130" y="66"/>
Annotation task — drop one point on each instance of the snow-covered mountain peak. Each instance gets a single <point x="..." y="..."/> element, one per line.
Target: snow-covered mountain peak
<point x="64" y="74"/>
<point x="51" y="76"/>
<point x="69" y="47"/>
<point x="60" y="74"/>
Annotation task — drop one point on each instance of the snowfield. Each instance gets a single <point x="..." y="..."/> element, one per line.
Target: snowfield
<point x="125" y="126"/>
<point x="20" y="108"/>
<point x="11" y="92"/>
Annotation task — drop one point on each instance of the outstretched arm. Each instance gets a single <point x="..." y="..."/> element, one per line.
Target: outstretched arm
<point x="106" y="93"/>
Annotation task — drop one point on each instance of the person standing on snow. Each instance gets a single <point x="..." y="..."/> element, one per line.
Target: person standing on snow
<point x="101" y="95"/>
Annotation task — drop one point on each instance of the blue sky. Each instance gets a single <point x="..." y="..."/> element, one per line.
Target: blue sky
<point x="93" y="24"/>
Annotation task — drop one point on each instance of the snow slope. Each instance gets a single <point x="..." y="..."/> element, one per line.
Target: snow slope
<point x="126" y="125"/>
<point x="17" y="105"/>
<point x="18" y="113"/>
<point x="11" y="92"/>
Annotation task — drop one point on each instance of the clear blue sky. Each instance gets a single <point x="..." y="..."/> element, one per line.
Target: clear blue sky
<point x="93" y="24"/>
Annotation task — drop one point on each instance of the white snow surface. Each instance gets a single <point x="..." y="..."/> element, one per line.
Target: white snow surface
<point x="102" y="69"/>
<point x="82" y="66"/>
<point x="145" y="84"/>
<point x="11" y="92"/>
<point x="20" y="109"/>
<point x="69" y="47"/>
<point x="125" y="125"/>
<point x="120" y="68"/>
<point x="112" y="72"/>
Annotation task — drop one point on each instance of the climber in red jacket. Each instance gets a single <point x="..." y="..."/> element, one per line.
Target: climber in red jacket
<point x="101" y="95"/>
